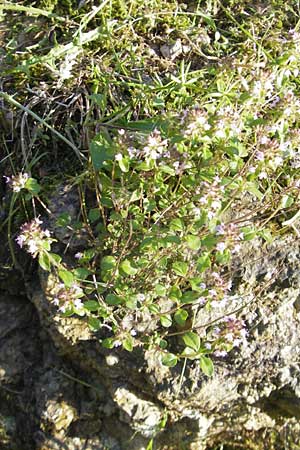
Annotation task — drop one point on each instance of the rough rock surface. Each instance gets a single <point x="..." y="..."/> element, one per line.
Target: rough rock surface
<point x="61" y="390"/>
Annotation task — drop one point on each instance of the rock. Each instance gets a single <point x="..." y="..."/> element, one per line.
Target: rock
<point x="172" y="51"/>
<point x="15" y="323"/>
<point x="64" y="205"/>
<point x="143" y="416"/>
<point x="55" y="399"/>
<point x="239" y="399"/>
<point x="63" y="390"/>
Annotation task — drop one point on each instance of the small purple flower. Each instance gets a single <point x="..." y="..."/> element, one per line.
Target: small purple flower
<point x="259" y="155"/>
<point x="20" y="240"/>
<point x="201" y="300"/>
<point x="221" y="246"/>
<point x="220" y="230"/>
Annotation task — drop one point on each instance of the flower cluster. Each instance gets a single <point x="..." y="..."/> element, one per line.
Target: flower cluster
<point x="230" y="333"/>
<point x="270" y="152"/>
<point x="34" y="238"/>
<point x="211" y="195"/>
<point x="68" y="298"/>
<point x="229" y="123"/>
<point x="17" y="182"/>
<point x="264" y="87"/>
<point x="195" y="122"/>
<point x="231" y="237"/>
<point x="154" y="147"/>
<point x="215" y="293"/>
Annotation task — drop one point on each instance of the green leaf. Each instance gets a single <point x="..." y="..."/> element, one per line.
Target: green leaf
<point x="149" y="204"/>
<point x="44" y="261"/>
<point x="168" y="241"/>
<point x="286" y="201"/>
<point x="127" y="268"/>
<point x="167" y="169"/>
<point x="67" y="277"/>
<point x="177" y="225"/>
<point x="108" y="263"/>
<point x="203" y="262"/>
<point x="128" y="343"/>
<point x="206" y="365"/>
<point x="32" y="186"/>
<point x="163" y="344"/>
<point x="63" y="220"/>
<point x="180" y="268"/>
<point x="124" y="164"/>
<point x="81" y="273"/>
<point x="192" y="340"/>
<point x="150" y="445"/>
<point x="166" y="320"/>
<point x="94" y="323"/>
<point x="100" y="100"/>
<point x="190" y="353"/>
<point x="131" y="302"/>
<point x="169" y="360"/>
<point x="112" y="299"/>
<point x="136" y="195"/>
<point x="46" y="245"/>
<point x="180" y="317"/>
<point x="253" y="189"/>
<point x="266" y="235"/>
<point x="189" y="297"/>
<point x="154" y="309"/>
<point x="196" y="284"/>
<point x="88" y="255"/>
<point x="145" y="125"/>
<point x="101" y="151"/>
<point x="248" y="233"/>
<point x="108" y="343"/>
<point x="175" y="293"/>
<point x="91" y="305"/>
<point x="193" y="242"/>
<point x="223" y="258"/>
<point x="94" y="215"/>
<point x="160" y="290"/>
<point x="209" y="241"/>
<point x="55" y="257"/>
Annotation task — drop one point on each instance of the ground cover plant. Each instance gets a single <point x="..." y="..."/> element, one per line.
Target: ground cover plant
<point x="177" y="126"/>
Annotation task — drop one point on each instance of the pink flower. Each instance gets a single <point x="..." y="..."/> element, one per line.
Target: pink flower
<point x="33" y="237"/>
<point x="17" y="182"/>
<point x="259" y="156"/>
<point x="221" y="246"/>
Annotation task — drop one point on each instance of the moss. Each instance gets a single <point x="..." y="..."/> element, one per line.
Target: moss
<point x="57" y="6"/>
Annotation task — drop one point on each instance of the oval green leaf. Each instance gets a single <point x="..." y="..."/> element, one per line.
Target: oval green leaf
<point x="192" y="340"/>
<point x="169" y="360"/>
<point x="206" y="365"/>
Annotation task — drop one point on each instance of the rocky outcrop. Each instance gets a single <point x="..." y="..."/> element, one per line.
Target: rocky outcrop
<point x="61" y="390"/>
